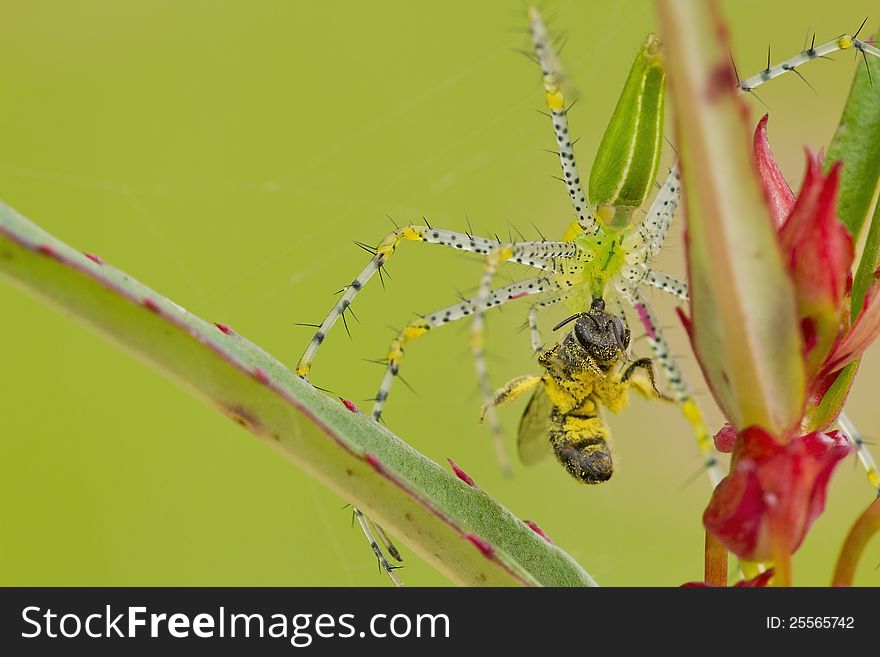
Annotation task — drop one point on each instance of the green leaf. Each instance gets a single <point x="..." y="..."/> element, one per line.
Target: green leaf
<point x="432" y="511"/>
<point x="745" y="326"/>
<point x="857" y="143"/>
<point x="868" y="263"/>
<point x="821" y="415"/>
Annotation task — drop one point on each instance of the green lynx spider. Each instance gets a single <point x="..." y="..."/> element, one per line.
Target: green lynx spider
<point x="604" y="254"/>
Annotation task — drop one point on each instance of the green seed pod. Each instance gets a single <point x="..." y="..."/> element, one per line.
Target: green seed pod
<point x="625" y="167"/>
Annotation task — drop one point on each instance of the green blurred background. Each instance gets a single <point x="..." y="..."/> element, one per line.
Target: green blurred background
<point x="227" y="154"/>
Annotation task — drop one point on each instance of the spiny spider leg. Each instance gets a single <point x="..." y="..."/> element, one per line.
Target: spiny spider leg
<point x="666" y="283"/>
<point x="380" y="556"/>
<point x="422" y="325"/>
<point x="382" y="252"/>
<point x="553" y="77"/>
<point x="534" y="309"/>
<point x="843" y="42"/>
<point x="643" y="244"/>
<point x="638" y="274"/>
<point x="680" y="388"/>
<point x="390" y="547"/>
<point x="862" y="452"/>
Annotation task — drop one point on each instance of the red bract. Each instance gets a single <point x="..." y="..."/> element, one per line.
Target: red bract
<point x="761" y="580"/>
<point x="777" y="193"/>
<point x="816" y="246"/>
<point x="774" y="492"/>
<point x="776" y="488"/>
<point x="819" y="252"/>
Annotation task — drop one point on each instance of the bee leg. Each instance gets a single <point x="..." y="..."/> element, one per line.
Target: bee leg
<point x="648" y="365"/>
<point x="511" y="390"/>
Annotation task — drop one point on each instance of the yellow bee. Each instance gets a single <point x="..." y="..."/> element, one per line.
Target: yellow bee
<point x="583" y="374"/>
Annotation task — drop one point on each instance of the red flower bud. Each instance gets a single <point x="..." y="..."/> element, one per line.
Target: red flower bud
<point x="773" y="487"/>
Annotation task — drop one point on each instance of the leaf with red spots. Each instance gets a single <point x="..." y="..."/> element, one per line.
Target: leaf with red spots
<point x="408" y="494"/>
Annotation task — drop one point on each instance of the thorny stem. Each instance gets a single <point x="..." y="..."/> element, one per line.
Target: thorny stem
<point x="865" y="527"/>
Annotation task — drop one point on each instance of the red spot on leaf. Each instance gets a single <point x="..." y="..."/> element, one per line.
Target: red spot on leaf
<point x="375" y="462"/>
<point x="260" y="375"/>
<point x="461" y="474"/>
<point x="94" y="258"/>
<point x="540" y="532"/>
<point x="47" y="249"/>
<point x="349" y="405"/>
<point x="225" y="329"/>
<point x="485" y="548"/>
<point x="151" y="305"/>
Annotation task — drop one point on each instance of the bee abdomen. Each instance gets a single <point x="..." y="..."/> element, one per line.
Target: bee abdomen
<point x="586" y="457"/>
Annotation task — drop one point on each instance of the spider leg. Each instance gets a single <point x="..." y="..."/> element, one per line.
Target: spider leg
<point x="387" y="544"/>
<point x="862" y="452"/>
<point x="638" y="274"/>
<point x="534" y="309"/>
<point x="843" y="42"/>
<point x="666" y="283"/>
<point x="551" y="251"/>
<point x="422" y="325"/>
<point x="553" y="77"/>
<point x="643" y="245"/>
<point x="380" y="556"/>
<point x="382" y="253"/>
<point x="671" y="371"/>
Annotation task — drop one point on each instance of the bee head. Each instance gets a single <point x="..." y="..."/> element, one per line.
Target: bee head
<point x="604" y="336"/>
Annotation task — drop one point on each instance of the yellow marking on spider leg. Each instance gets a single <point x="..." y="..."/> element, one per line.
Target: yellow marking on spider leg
<point x="692" y="412"/>
<point x="706" y="445"/>
<point x="500" y="253"/>
<point x="303" y="369"/>
<point x="845" y="41"/>
<point x="574" y="229"/>
<point x="415" y="329"/>
<point x="408" y="233"/>
<point x="555" y="99"/>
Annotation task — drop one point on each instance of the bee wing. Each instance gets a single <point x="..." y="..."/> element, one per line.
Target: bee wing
<point x="533" y="437"/>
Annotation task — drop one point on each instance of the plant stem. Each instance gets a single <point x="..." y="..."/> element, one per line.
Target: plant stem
<point x="715" y="562"/>
<point x="865" y="527"/>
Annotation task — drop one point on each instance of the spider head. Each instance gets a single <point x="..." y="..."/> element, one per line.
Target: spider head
<point x="602" y="335"/>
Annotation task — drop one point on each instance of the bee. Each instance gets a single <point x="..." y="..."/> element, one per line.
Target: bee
<point x="584" y="372"/>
